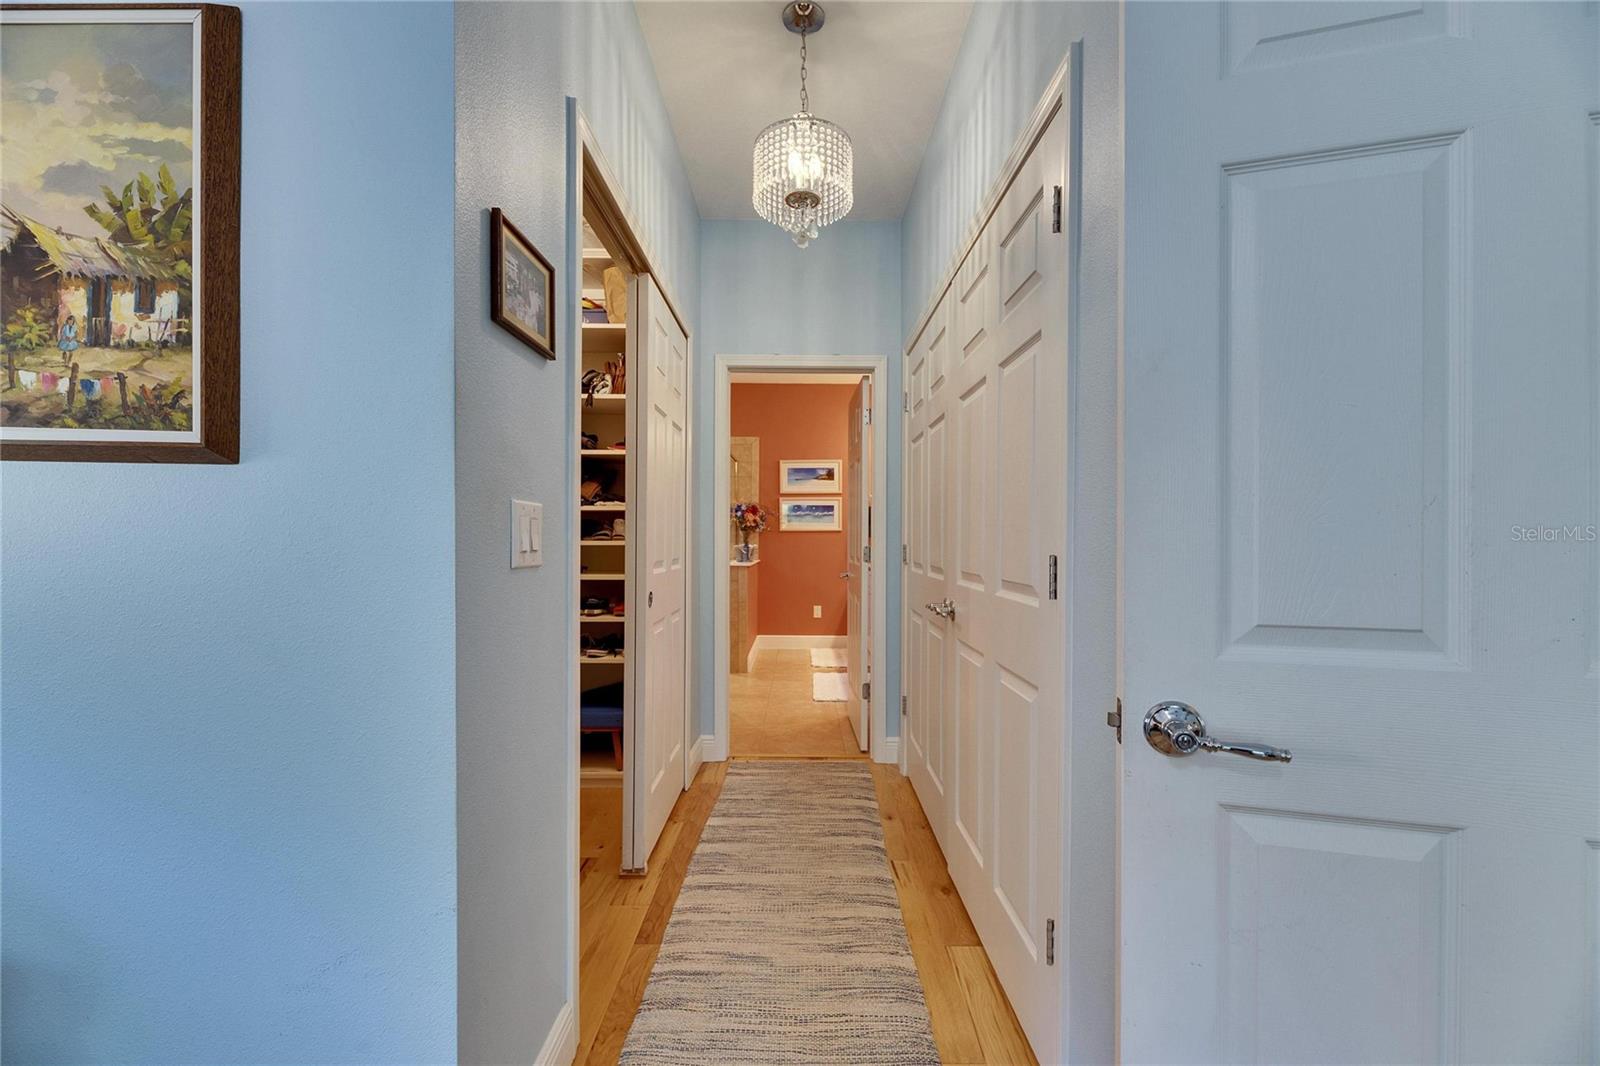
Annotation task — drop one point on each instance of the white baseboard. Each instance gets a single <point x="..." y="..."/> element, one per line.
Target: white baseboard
<point x="561" y="1045"/>
<point x="792" y="641"/>
<point x="714" y="748"/>
<point x="697" y="754"/>
<point x="888" y="751"/>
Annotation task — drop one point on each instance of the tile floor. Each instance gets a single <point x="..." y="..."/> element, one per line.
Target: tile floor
<point x="771" y="712"/>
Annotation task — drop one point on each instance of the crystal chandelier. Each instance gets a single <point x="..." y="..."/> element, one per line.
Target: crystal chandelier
<point x="803" y="164"/>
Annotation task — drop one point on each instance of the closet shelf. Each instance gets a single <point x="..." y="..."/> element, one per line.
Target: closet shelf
<point x="605" y="338"/>
<point x="603" y="542"/>
<point x="600" y="619"/>
<point x="602" y="508"/>
<point x="603" y="453"/>
<point x="587" y="659"/>
<point x="603" y="577"/>
<point x="616" y="401"/>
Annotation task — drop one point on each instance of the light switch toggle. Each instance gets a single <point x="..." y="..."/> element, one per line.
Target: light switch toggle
<point x="527" y="534"/>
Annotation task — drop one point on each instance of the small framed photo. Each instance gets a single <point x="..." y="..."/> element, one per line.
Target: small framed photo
<point x="810" y="516"/>
<point x="809" y="477"/>
<point x="522" y="287"/>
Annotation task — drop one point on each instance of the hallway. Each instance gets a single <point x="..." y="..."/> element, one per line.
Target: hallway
<point x="622" y="921"/>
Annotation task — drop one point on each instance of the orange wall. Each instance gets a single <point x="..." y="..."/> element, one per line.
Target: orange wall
<point x="797" y="570"/>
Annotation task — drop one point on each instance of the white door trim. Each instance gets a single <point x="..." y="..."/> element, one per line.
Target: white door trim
<point x="877" y="368"/>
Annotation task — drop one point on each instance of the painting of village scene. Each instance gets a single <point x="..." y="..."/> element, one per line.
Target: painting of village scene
<point x="97" y="220"/>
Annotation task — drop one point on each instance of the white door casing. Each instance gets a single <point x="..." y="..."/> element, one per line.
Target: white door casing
<point x="1359" y="382"/>
<point x="654" y="735"/>
<point x="987" y="515"/>
<point x="858" y="595"/>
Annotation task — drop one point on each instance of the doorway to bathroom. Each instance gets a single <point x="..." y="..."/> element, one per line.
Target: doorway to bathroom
<point x="800" y="604"/>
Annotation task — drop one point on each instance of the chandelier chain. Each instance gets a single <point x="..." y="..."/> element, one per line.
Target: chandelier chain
<point x="805" y="100"/>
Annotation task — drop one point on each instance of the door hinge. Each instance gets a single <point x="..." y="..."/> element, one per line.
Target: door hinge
<point x="1114" y="719"/>
<point x="866" y="416"/>
<point x="905" y="706"/>
<point x="905" y="400"/>
<point x="866" y="553"/>
<point x="1052" y="577"/>
<point x="1049" y="941"/>
<point x="1055" y="212"/>
<point x="866" y="691"/>
<point x="904" y="554"/>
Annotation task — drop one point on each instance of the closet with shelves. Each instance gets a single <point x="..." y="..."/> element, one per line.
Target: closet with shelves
<point x="631" y="588"/>
<point x="603" y="576"/>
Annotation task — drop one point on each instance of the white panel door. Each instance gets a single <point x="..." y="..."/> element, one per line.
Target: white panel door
<point x="1360" y="487"/>
<point x="927" y="569"/>
<point x="858" y="594"/>
<point x="654" y="737"/>
<point x="1008" y="521"/>
<point x="988" y="451"/>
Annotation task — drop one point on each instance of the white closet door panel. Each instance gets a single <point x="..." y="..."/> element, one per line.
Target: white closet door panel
<point x="655" y="734"/>
<point x="987" y="440"/>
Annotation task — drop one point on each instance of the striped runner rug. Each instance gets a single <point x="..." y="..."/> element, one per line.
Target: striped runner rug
<point x="786" y="944"/>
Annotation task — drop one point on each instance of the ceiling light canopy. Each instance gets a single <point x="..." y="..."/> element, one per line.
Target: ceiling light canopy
<point x="803" y="164"/>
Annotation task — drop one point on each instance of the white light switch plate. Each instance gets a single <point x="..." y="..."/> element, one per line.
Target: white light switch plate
<point x="527" y="534"/>
<point x="816" y="610"/>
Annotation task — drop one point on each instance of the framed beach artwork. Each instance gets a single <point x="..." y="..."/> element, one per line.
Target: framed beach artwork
<point x="813" y="477"/>
<point x="810" y="516"/>
<point x="522" y="287"/>
<point x="119" y="233"/>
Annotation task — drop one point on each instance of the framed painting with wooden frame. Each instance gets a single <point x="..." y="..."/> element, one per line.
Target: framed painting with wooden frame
<point x="120" y="314"/>
<point x="522" y="286"/>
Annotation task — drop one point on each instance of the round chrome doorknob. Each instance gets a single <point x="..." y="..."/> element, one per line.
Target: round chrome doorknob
<point x="1174" y="728"/>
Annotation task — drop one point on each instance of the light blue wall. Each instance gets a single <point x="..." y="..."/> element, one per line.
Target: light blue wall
<point x="517" y="63"/>
<point x="1009" y="53"/>
<point x="761" y="294"/>
<point x="228" y="732"/>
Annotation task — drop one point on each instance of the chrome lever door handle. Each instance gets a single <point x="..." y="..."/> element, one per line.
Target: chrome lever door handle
<point x="1176" y="729"/>
<point x="944" y="608"/>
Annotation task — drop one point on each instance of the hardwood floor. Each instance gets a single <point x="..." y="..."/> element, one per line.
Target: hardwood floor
<point x="621" y="921"/>
<point x="771" y="712"/>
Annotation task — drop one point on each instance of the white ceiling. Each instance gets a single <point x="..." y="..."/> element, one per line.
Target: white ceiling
<point x="728" y="68"/>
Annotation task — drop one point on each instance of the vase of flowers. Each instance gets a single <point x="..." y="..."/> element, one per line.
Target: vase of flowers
<point x="748" y="518"/>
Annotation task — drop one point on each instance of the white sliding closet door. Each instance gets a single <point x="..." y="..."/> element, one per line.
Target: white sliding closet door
<point x="654" y="735"/>
<point x="986" y="462"/>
